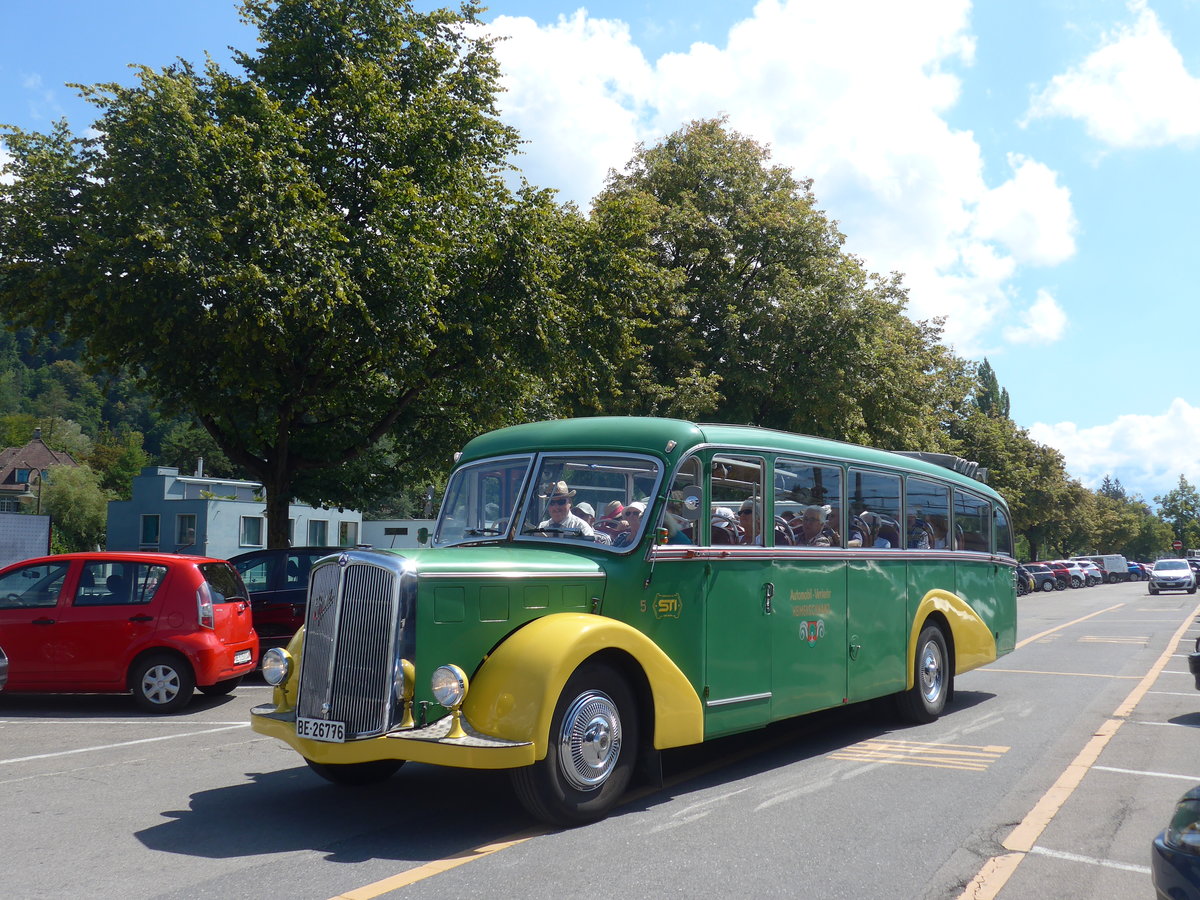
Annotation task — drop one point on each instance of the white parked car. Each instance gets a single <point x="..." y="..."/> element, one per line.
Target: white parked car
<point x="1095" y="574"/>
<point x="1172" y="575"/>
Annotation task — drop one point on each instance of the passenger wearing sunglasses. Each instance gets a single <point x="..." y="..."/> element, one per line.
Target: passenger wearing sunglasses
<point x="561" y="520"/>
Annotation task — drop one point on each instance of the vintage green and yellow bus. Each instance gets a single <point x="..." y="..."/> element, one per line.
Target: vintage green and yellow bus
<point x="602" y="589"/>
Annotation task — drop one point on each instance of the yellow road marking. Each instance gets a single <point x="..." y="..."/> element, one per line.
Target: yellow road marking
<point x="1077" y="674"/>
<point x="995" y="873"/>
<point x="395" y="882"/>
<point x="1030" y="640"/>
<point x="909" y="753"/>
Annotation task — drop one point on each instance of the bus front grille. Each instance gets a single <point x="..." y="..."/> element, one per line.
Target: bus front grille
<point x="351" y="627"/>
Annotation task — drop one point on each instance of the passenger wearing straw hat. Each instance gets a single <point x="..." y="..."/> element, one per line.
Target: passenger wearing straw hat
<point x="558" y="508"/>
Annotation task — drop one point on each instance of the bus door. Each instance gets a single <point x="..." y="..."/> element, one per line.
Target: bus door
<point x="877" y="588"/>
<point x="737" y="681"/>
<point x="808" y="620"/>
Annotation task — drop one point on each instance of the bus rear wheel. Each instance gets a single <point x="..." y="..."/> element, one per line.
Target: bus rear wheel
<point x="932" y="679"/>
<point x="593" y="745"/>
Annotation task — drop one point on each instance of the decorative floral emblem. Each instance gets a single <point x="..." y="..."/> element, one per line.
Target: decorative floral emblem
<point x="812" y="630"/>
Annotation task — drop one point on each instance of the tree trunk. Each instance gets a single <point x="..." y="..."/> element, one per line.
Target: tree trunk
<point x="278" y="504"/>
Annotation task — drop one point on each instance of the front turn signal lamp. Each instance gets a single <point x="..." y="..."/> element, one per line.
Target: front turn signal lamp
<point x="403" y="683"/>
<point x="276" y="666"/>
<point x="449" y="685"/>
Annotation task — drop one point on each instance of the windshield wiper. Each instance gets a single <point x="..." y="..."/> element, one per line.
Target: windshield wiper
<point x="475" y="532"/>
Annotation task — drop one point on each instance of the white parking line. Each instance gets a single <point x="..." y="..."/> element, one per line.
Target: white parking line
<point x="1091" y="860"/>
<point x="186" y="723"/>
<point x="166" y="737"/>
<point x="1174" y="693"/>
<point x="1147" y="774"/>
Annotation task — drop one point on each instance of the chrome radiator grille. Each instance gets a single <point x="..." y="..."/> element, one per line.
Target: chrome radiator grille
<point x="350" y="632"/>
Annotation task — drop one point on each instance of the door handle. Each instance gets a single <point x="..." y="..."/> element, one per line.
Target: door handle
<point x="141" y="618"/>
<point x="769" y="591"/>
<point x="43" y="621"/>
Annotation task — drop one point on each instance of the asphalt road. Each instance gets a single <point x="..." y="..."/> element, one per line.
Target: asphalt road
<point x="1048" y="777"/>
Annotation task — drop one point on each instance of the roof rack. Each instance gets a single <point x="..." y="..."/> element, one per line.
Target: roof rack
<point x="949" y="461"/>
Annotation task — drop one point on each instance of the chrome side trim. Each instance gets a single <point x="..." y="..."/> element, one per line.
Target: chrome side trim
<point x="457" y="576"/>
<point x="730" y="700"/>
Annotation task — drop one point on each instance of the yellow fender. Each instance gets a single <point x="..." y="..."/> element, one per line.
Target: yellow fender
<point x="974" y="643"/>
<point x="514" y="693"/>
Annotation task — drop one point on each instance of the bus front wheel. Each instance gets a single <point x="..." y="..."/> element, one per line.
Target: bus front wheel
<point x="592" y="750"/>
<point x="932" y="678"/>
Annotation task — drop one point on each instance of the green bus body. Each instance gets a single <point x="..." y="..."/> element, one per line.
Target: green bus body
<point x="754" y="632"/>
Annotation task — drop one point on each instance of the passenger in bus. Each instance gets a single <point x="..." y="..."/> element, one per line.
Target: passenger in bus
<point x="632" y="516"/>
<point x="723" y="526"/>
<point x="883" y="531"/>
<point x="814" y="528"/>
<point x="855" y="533"/>
<point x="585" y="512"/>
<point x="750" y="518"/>
<point x="560" y="518"/>
<point x="920" y="534"/>
<point x="613" y="509"/>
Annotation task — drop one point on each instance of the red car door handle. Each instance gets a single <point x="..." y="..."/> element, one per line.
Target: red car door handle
<point x="43" y="621"/>
<point x="141" y="618"/>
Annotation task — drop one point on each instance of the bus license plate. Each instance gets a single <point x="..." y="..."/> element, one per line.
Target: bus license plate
<point x="320" y="730"/>
<point x="241" y="657"/>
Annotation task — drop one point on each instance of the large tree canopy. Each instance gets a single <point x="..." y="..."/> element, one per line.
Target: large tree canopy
<point x="765" y="318"/>
<point x="309" y="255"/>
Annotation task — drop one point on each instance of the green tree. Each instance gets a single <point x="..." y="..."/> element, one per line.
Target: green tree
<point x="990" y="398"/>
<point x="760" y="315"/>
<point x="78" y="507"/>
<point x="1180" y="508"/>
<point x="116" y="459"/>
<point x="308" y="256"/>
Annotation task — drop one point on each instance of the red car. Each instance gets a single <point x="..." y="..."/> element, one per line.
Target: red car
<point x="156" y="624"/>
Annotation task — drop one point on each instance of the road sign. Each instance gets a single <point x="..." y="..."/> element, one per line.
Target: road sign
<point x="1177" y="545"/>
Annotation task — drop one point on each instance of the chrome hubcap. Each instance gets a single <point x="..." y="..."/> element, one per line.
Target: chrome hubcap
<point x="932" y="671"/>
<point x="590" y="742"/>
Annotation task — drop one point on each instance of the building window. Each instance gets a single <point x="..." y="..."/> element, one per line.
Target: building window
<point x="252" y="531"/>
<point x="8" y="505"/>
<point x="291" y="532"/>
<point x="347" y="534"/>
<point x="149" y="531"/>
<point x="185" y="530"/>
<point x="318" y="532"/>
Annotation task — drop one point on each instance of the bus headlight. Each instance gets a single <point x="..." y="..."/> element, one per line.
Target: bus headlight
<point x="449" y="685"/>
<point x="276" y="666"/>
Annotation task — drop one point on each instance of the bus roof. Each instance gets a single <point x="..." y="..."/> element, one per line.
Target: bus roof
<point x="670" y="439"/>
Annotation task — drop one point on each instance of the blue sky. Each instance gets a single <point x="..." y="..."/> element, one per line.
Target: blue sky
<point x="1031" y="166"/>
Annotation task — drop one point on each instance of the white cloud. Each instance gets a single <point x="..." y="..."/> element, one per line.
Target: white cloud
<point x="1133" y="91"/>
<point x="1030" y="214"/>
<point x="1146" y="452"/>
<point x="5" y="159"/>
<point x="859" y="110"/>
<point x="1044" y="322"/>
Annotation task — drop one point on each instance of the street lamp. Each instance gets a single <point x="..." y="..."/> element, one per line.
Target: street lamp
<point x="41" y="476"/>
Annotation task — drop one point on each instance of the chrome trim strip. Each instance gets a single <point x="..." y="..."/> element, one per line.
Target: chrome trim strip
<point x="729" y="700"/>
<point x="510" y="574"/>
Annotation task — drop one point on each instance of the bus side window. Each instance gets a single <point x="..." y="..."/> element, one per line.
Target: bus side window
<point x="972" y="522"/>
<point x="927" y="514"/>
<point x="874" y="499"/>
